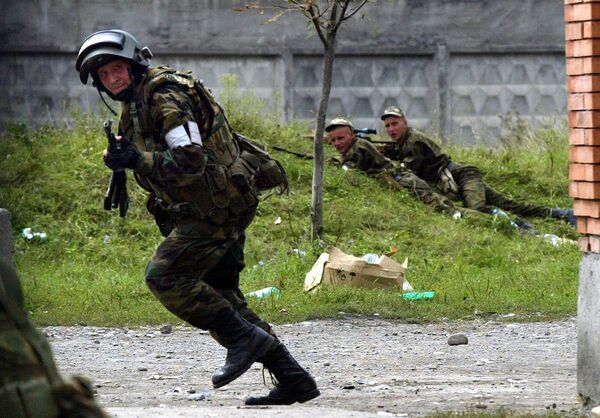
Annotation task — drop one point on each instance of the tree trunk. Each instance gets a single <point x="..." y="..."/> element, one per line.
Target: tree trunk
<point x="318" y="168"/>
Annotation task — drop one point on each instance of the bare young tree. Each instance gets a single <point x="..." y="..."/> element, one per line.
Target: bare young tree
<point x="326" y="17"/>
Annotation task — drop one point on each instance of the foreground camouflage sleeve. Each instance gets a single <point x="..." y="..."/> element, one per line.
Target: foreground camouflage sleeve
<point x="170" y="107"/>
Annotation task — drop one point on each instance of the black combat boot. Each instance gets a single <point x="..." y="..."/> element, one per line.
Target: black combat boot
<point x="564" y="214"/>
<point x="294" y="384"/>
<point x="244" y="342"/>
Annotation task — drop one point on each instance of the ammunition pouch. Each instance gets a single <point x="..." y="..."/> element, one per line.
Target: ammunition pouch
<point x="269" y="172"/>
<point x="28" y="399"/>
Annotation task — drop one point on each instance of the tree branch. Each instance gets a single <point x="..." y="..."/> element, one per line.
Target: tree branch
<point x="356" y="9"/>
<point x="317" y="25"/>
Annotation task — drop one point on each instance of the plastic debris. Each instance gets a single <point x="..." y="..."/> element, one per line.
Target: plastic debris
<point x="516" y="223"/>
<point x="299" y="252"/>
<point x="418" y="295"/>
<point x="261" y="263"/>
<point x="457" y="215"/>
<point x="278" y="220"/>
<point x="371" y="258"/>
<point x="265" y="293"/>
<point x="552" y="239"/>
<point x="29" y="235"/>
<point x="106" y="239"/>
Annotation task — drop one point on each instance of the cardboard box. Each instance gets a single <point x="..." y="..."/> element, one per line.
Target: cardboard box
<point x="336" y="268"/>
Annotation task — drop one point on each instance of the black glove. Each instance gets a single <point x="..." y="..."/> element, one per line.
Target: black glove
<point x="126" y="157"/>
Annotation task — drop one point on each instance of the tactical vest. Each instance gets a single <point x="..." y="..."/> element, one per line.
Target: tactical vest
<point x="236" y="168"/>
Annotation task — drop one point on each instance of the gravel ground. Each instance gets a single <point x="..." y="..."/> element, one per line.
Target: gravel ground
<point x="363" y="366"/>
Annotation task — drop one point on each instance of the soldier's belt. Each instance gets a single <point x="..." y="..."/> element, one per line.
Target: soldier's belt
<point x="31" y="399"/>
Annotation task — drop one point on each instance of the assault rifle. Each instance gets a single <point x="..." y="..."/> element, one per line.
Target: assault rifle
<point x="365" y="132"/>
<point x="116" y="195"/>
<point x="361" y="133"/>
<point x="295" y="153"/>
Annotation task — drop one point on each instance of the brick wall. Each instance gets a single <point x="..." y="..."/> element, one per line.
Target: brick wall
<point x="583" y="85"/>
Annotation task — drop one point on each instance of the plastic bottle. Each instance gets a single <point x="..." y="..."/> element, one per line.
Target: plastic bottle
<point x="265" y="293"/>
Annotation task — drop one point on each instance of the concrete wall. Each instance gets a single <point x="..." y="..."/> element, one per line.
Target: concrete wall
<point x="453" y="65"/>
<point x="588" y="337"/>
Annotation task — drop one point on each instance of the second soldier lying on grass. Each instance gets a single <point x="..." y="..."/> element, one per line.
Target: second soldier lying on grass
<point x="459" y="182"/>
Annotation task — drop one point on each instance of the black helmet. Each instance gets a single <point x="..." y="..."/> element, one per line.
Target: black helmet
<point x="106" y="45"/>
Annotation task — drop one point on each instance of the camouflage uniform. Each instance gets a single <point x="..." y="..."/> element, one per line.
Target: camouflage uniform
<point x="203" y="179"/>
<point x="425" y="158"/>
<point x="30" y="385"/>
<point x="363" y="155"/>
<point x="195" y="270"/>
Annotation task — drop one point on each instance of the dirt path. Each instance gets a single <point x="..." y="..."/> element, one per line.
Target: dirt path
<point x="366" y="365"/>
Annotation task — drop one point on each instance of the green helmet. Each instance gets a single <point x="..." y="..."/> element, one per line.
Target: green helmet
<point x="104" y="46"/>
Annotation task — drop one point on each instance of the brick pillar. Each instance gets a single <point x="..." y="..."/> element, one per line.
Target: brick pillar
<point x="582" y="34"/>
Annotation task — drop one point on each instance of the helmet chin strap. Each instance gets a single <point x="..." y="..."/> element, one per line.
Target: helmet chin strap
<point x="106" y="104"/>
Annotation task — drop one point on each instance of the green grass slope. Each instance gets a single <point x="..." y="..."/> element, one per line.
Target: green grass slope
<point x="90" y="269"/>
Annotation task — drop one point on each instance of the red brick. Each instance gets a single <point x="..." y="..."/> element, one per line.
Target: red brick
<point x="594" y="244"/>
<point x="581" y="225"/>
<point x="591" y="29"/>
<point x="584" y="244"/>
<point x="583" y="83"/>
<point x="584" y="154"/>
<point x="576" y="102"/>
<point x="579" y="136"/>
<point x="583" y="65"/>
<point x="584" y="172"/>
<point x="583" y="101"/>
<point x="574" y="66"/>
<point x="574" y="31"/>
<point x="582" y="48"/>
<point x="582" y="11"/>
<point x="584" y="119"/>
<point x="593" y="226"/>
<point x="589" y="244"/>
<point x="584" y="190"/>
<point x="589" y="208"/>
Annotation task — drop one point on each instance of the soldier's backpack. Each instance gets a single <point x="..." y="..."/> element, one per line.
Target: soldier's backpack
<point x="268" y="172"/>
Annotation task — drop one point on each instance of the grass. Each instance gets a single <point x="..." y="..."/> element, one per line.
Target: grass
<point x="90" y="269"/>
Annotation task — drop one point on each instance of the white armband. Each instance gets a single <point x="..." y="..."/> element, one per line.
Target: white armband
<point x="180" y="136"/>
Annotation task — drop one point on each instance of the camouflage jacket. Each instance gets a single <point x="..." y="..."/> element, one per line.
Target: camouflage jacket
<point x="364" y="156"/>
<point x="195" y="176"/>
<point x="419" y="154"/>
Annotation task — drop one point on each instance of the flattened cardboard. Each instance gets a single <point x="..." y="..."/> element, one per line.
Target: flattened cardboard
<point x="336" y="268"/>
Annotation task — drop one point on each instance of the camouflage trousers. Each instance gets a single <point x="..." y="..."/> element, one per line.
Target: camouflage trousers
<point x="477" y="195"/>
<point x="423" y="191"/>
<point x="195" y="273"/>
